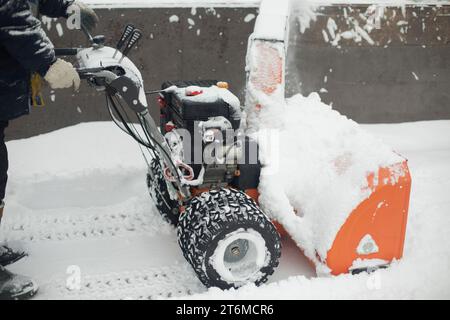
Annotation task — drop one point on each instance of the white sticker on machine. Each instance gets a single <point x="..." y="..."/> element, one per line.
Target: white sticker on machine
<point x="367" y="245"/>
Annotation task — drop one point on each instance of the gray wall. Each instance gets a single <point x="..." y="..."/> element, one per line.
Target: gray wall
<point x="376" y="82"/>
<point x="367" y="83"/>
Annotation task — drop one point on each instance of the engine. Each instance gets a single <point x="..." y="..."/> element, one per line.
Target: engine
<point x="201" y="123"/>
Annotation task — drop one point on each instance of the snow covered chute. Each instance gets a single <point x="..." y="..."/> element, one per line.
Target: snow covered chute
<point x="266" y="56"/>
<point x="344" y="196"/>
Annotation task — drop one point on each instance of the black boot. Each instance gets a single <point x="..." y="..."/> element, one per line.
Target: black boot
<point x="8" y="255"/>
<point x="15" y="287"/>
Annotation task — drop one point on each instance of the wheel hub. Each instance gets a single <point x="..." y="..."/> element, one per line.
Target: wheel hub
<point x="240" y="256"/>
<point x="236" y="250"/>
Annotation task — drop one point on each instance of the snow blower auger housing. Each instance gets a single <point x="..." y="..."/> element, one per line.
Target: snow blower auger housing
<point x="202" y="171"/>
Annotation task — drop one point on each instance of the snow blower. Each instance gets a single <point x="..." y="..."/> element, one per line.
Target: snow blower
<point x="204" y="172"/>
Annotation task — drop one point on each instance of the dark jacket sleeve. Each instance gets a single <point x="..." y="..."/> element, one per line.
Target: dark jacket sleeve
<point x="23" y="38"/>
<point x="54" y="8"/>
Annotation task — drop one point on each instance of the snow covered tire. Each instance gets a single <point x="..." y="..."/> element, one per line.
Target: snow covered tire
<point x="215" y="217"/>
<point x="157" y="187"/>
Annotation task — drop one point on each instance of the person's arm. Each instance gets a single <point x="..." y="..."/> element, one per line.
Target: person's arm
<point x="54" y="8"/>
<point x="24" y="39"/>
<point x="22" y="36"/>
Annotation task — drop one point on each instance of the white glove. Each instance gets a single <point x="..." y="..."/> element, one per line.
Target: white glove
<point x="62" y="75"/>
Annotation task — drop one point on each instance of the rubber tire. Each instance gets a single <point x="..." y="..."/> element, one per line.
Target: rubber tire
<point x="160" y="194"/>
<point x="209" y="218"/>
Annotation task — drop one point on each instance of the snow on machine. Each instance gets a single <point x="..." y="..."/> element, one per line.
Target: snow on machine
<point x="204" y="172"/>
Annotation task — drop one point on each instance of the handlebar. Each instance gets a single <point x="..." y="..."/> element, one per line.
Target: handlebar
<point x="67" y="51"/>
<point x="86" y="73"/>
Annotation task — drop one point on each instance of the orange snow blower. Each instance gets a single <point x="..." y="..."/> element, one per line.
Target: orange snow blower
<point x="204" y="173"/>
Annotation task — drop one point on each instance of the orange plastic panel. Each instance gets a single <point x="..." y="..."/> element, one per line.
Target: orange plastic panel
<point x="382" y="215"/>
<point x="268" y="74"/>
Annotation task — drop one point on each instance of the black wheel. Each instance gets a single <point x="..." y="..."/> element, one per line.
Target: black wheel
<point x="157" y="187"/>
<point x="228" y="240"/>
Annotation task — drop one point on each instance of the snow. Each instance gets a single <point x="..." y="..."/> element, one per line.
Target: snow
<point x="331" y="156"/>
<point x="304" y="12"/>
<point x="174" y="18"/>
<point x="272" y="20"/>
<point x="77" y="197"/>
<point x="249" y="17"/>
<point x="355" y="33"/>
<point x="59" y="29"/>
<point x="72" y="152"/>
<point x="209" y="95"/>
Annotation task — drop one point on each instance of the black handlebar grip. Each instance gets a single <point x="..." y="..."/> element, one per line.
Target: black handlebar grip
<point x="89" y="72"/>
<point x="66" y="51"/>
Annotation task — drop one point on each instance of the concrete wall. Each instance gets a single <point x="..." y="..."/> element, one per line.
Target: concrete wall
<point x="396" y="71"/>
<point x="403" y="75"/>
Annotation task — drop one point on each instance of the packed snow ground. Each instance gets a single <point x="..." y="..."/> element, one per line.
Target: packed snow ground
<point x="77" y="202"/>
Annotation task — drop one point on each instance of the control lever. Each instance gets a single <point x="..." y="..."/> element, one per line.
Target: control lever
<point x="87" y="33"/>
<point x="134" y="39"/>
<point x="125" y="36"/>
<point x="85" y="73"/>
<point x="66" y="51"/>
<point x="96" y="42"/>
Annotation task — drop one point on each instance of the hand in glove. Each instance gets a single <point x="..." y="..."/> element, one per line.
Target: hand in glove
<point x="62" y="75"/>
<point x="89" y="18"/>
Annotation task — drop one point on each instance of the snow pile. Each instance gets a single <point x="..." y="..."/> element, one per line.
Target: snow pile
<point x="77" y="200"/>
<point x="316" y="163"/>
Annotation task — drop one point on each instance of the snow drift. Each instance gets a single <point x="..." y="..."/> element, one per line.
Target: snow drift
<point x="315" y="172"/>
